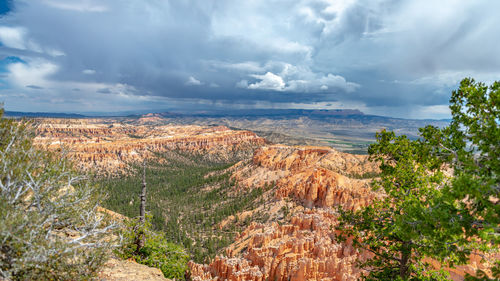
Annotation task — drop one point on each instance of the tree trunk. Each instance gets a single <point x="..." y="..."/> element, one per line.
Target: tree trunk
<point x="405" y="257"/>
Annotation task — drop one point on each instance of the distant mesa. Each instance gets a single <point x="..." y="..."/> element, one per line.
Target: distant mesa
<point x="19" y="114"/>
<point x="267" y="113"/>
<point x="214" y="113"/>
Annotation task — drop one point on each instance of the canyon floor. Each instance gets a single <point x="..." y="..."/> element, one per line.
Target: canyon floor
<point x="246" y="207"/>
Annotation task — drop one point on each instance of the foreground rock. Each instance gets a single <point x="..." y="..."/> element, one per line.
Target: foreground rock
<point x="123" y="270"/>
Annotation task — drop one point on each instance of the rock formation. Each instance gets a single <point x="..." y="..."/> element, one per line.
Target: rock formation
<point x="109" y="147"/>
<point x="299" y="245"/>
<point x="318" y="176"/>
<point x="318" y="180"/>
<point x="304" y="248"/>
<point x="119" y="270"/>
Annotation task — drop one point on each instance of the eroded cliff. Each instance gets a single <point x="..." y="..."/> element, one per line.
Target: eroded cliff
<point x="108" y="147"/>
<point x="317" y="176"/>
<point x="303" y="249"/>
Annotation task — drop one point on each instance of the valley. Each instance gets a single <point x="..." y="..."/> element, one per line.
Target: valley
<point x="244" y="207"/>
<point x="345" y="130"/>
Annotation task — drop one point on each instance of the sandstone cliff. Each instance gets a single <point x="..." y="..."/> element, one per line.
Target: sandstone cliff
<point x="109" y="147"/>
<point x="317" y="176"/>
<point x="121" y="270"/>
<point x="304" y="186"/>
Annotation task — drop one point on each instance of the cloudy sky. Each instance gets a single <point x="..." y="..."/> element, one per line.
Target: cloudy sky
<point x="393" y="58"/>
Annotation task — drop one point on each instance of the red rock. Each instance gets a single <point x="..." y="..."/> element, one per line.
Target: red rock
<point x="302" y="250"/>
<point x="101" y="147"/>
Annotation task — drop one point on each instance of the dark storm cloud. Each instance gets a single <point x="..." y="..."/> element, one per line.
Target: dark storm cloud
<point x="34" y="87"/>
<point x="153" y="55"/>
<point x="104" y="91"/>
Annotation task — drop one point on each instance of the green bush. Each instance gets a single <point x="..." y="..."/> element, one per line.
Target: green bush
<point x="157" y="252"/>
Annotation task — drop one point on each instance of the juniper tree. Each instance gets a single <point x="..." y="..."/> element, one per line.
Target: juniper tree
<point x="425" y="213"/>
<point x="471" y="146"/>
<point x="406" y="224"/>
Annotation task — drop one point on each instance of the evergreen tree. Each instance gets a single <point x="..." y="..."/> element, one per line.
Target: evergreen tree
<point x="423" y="212"/>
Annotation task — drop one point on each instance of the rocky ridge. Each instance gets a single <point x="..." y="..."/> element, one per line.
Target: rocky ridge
<point x="303" y="249"/>
<point x="110" y="147"/>
<point x="317" y="176"/>
<point x="118" y="270"/>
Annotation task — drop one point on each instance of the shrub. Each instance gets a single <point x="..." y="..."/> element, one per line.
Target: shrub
<point x="49" y="228"/>
<point x="157" y="252"/>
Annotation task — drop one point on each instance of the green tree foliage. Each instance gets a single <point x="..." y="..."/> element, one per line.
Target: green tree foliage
<point x="471" y="145"/>
<point x="425" y="213"/>
<point x="157" y="252"/>
<point x="405" y="225"/>
<point x="49" y="227"/>
<point x="187" y="197"/>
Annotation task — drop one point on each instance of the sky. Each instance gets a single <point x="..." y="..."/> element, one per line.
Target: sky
<point x="392" y="58"/>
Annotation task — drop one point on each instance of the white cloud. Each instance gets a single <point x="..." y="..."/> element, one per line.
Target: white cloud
<point x="308" y="45"/>
<point x="13" y="37"/>
<point x="300" y="79"/>
<point x="88" y="71"/>
<point x="268" y="81"/>
<point x="214" y="85"/>
<point x="329" y="16"/>
<point x="411" y="111"/>
<point x="55" y="52"/>
<point x="247" y="66"/>
<point x="36" y="74"/>
<point x="242" y="84"/>
<point x="16" y="38"/>
<point x="193" y="81"/>
<point x="320" y="83"/>
<point x="31" y="87"/>
<point x="433" y="111"/>
<point x="78" y="6"/>
<point x="32" y="73"/>
<point x="336" y="81"/>
<point x="447" y="79"/>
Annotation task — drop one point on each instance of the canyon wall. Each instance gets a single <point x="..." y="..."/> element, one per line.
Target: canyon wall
<point x="110" y="147"/>
<point x="303" y="187"/>
<point x="304" y="249"/>
<point x="317" y="176"/>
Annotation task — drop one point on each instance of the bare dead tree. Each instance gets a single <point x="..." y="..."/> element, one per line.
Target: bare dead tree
<point x="142" y="212"/>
